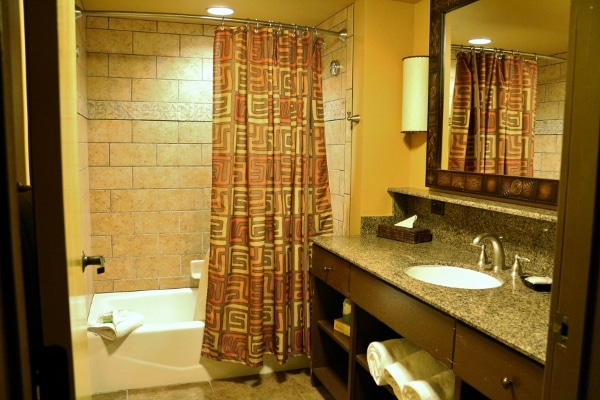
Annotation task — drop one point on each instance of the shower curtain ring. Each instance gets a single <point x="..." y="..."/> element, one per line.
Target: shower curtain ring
<point x="256" y="29"/>
<point x="223" y="23"/>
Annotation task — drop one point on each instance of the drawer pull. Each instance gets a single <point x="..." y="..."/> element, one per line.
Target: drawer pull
<point x="506" y="383"/>
<point x="327" y="269"/>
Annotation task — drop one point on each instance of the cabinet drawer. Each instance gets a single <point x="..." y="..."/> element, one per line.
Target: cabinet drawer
<point x="409" y="317"/>
<point x="331" y="269"/>
<point x="484" y="363"/>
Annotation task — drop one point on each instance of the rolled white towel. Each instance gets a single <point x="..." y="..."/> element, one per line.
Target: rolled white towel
<point x="438" y="387"/>
<point x="116" y="324"/>
<point x="417" y="366"/>
<point x="382" y="354"/>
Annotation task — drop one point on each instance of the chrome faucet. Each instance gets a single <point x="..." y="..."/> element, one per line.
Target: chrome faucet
<point x="497" y="249"/>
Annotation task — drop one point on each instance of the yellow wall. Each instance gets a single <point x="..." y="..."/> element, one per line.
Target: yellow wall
<point x="385" y="32"/>
<point x="72" y="196"/>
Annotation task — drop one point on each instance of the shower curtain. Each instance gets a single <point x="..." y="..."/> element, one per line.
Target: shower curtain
<point x="493" y="114"/>
<point x="270" y="193"/>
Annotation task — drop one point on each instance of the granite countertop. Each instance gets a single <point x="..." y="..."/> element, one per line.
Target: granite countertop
<point x="512" y="313"/>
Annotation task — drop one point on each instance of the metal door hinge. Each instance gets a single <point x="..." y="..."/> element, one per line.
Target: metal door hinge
<point x="560" y="328"/>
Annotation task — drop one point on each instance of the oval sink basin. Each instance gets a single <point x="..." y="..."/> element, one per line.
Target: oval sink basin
<point x="454" y="277"/>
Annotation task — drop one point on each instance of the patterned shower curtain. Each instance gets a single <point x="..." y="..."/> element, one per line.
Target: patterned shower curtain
<point x="493" y="114"/>
<point x="270" y="193"/>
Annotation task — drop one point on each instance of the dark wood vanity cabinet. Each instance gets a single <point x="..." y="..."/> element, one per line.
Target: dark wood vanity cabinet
<point x="493" y="369"/>
<point x="380" y="311"/>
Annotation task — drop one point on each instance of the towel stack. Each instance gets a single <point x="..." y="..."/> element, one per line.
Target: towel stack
<point x="116" y="324"/>
<point x="411" y="372"/>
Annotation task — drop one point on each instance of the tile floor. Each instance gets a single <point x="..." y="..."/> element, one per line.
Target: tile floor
<point x="289" y="385"/>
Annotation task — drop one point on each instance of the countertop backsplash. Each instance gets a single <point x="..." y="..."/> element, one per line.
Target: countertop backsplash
<point x="524" y="230"/>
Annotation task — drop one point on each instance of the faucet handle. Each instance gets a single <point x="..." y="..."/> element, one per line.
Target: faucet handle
<point x="517" y="267"/>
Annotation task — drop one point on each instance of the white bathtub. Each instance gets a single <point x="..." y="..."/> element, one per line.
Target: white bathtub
<point x="165" y="350"/>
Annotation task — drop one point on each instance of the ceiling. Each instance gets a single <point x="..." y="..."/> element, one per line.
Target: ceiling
<point x="301" y="12"/>
<point x="535" y="26"/>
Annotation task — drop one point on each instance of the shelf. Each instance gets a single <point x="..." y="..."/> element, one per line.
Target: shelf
<point x="339" y="337"/>
<point x="362" y="361"/>
<point x="332" y="382"/>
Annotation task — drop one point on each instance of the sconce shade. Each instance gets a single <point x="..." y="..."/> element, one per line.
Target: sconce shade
<point x="415" y="80"/>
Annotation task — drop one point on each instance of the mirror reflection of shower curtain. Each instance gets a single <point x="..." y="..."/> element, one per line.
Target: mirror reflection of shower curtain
<point x="270" y="193"/>
<point x="493" y="114"/>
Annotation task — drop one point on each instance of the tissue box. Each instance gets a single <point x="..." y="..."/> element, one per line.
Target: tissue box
<point x="409" y="235"/>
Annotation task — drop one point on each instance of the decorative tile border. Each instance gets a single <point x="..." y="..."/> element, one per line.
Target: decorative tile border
<point x="139" y="110"/>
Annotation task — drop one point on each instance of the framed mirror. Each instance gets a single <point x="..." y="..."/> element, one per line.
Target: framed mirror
<point x="537" y="190"/>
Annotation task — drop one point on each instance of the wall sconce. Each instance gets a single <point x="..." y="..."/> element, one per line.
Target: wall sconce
<point x="415" y="80"/>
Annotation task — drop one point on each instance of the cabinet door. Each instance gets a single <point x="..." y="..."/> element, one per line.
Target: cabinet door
<point x="411" y="318"/>
<point x="494" y="369"/>
<point x="331" y="269"/>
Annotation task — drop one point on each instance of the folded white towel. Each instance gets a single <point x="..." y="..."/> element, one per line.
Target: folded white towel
<point x="116" y="324"/>
<point x="438" y="387"/>
<point x="382" y="354"/>
<point x="417" y="366"/>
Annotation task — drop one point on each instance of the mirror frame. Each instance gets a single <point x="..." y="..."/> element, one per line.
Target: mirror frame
<point x="514" y="188"/>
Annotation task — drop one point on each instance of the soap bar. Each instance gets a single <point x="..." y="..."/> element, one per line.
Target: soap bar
<point x="539" y="280"/>
<point x="538" y="283"/>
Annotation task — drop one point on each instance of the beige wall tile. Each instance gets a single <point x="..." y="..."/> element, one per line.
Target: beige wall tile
<point x="112" y="223"/>
<point x="180" y="28"/>
<point x="179" y="199"/>
<point x="556" y="91"/>
<point x="155" y="131"/>
<point x="156" y="222"/>
<point x="99" y="200"/>
<point x="155" y="177"/>
<point x="179" y="154"/>
<point x="179" y="68"/>
<point x="101" y="245"/>
<point x="109" y="131"/>
<point x="155" y="44"/>
<point x="127" y="24"/>
<point x="158" y="266"/>
<point x="195" y="177"/>
<point x="130" y="285"/>
<point x="195" y="132"/>
<point x="103" y="286"/>
<point x="110" y="177"/>
<point x="194" y="221"/>
<point x="118" y="268"/>
<point x="179" y="243"/>
<point x="154" y="90"/>
<point x="335" y="156"/>
<point x="101" y="88"/>
<point x="207" y="154"/>
<point x="97" y="64"/>
<point x="97" y="22"/>
<point x="176" y="283"/>
<point x="109" y="41"/>
<point x="197" y="46"/>
<point x="98" y="155"/>
<point x="132" y="66"/>
<point x="207" y="69"/>
<point x="133" y="200"/>
<point x="195" y="91"/>
<point x="134" y="245"/>
<point x="132" y="154"/>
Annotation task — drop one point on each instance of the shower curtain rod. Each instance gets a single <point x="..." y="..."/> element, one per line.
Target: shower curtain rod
<point x="342" y="35"/>
<point x="493" y="50"/>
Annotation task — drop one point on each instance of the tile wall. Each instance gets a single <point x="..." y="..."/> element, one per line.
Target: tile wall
<point x="149" y="93"/>
<point x="146" y="105"/>
<point x="550" y="109"/>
